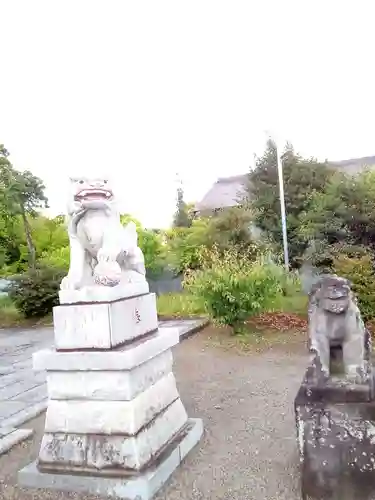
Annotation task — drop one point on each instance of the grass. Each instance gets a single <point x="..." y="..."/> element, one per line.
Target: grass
<point x="179" y="305"/>
<point x="295" y="304"/>
<point x="187" y="305"/>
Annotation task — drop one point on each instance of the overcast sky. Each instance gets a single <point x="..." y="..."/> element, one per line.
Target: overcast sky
<point x="142" y="90"/>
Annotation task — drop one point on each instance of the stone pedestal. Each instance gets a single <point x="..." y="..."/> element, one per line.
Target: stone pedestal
<point x="335" y="424"/>
<point x="115" y="423"/>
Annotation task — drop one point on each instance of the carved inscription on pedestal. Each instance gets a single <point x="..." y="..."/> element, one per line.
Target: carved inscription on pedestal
<point x="137" y="316"/>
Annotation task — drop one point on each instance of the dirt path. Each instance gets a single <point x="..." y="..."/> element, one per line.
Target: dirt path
<point x="248" y="451"/>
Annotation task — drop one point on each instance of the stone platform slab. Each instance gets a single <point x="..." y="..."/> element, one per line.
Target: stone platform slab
<point x="114" y="385"/>
<point x="9" y="437"/>
<point x="125" y="358"/>
<point x="111" y="417"/>
<point x="114" y="454"/>
<point x="140" y="487"/>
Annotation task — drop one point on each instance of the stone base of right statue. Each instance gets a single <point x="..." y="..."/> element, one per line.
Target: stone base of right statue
<point x="139" y="486"/>
<point x="336" y="437"/>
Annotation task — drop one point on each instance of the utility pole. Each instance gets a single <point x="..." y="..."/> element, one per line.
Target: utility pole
<point x="282" y="205"/>
<point x="282" y="199"/>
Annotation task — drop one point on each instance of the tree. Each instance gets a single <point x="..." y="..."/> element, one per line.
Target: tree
<point x="342" y="214"/>
<point x="181" y="217"/>
<point x="302" y="178"/>
<point x="151" y="244"/>
<point x="229" y="230"/>
<point x="21" y="194"/>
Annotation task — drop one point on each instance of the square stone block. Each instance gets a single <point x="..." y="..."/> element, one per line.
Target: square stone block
<point x="114" y="454"/>
<point x="120" y="385"/>
<point x="127" y="357"/>
<point x="141" y="486"/>
<point x="336" y="437"/>
<point x="104" y="325"/>
<point x="111" y="417"/>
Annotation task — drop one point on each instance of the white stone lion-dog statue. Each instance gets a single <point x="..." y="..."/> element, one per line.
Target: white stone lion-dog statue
<point x="102" y="251"/>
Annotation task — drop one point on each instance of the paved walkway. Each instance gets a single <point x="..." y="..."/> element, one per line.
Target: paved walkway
<point x="23" y="392"/>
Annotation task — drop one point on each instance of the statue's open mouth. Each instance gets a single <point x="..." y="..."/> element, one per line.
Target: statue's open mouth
<point x="93" y="194"/>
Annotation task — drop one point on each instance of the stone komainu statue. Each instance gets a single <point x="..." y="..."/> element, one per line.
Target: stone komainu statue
<point x="102" y="251"/>
<point x="335" y="321"/>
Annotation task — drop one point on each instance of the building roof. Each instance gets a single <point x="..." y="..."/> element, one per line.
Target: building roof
<point x="226" y="192"/>
<point x="354" y="165"/>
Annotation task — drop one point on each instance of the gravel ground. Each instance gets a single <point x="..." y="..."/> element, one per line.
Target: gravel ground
<point x="248" y="451"/>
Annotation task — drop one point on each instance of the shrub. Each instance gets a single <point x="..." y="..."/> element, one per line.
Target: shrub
<point x="321" y="255"/>
<point x="359" y="270"/>
<point x="230" y="229"/>
<point x="36" y="292"/>
<point x="233" y="288"/>
<point x="186" y="245"/>
<point x="57" y="258"/>
<point x="9" y="315"/>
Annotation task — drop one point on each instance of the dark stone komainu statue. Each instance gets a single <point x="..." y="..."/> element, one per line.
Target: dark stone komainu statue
<point x="335" y="405"/>
<point x="335" y="322"/>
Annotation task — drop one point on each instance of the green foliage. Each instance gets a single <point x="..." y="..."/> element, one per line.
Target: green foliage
<point x="9" y="315"/>
<point x="126" y="218"/>
<point x="320" y="254"/>
<point x="229" y="229"/>
<point x="36" y="292"/>
<point x="232" y="228"/>
<point x="187" y="245"/>
<point x="58" y="258"/>
<point x="343" y="212"/>
<point x="233" y="288"/>
<point x="49" y="234"/>
<point x="153" y="250"/>
<point x="181" y="217"/>
<point x="296" y="303"/>
<point x="302" y="178"/>
<point x="360" y="271"/>
<point x="180" y="305"/>
<point x="21" y="194"/>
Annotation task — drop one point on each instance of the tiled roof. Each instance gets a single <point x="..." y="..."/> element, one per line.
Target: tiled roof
<point x="226" y="192"/>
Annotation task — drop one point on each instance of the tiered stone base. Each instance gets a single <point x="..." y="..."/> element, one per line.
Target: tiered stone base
<point x="141" y="486"/>
<point x="115" y="423"/>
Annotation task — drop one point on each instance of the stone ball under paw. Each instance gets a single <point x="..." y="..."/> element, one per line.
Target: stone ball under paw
<point x="107" y="274"/>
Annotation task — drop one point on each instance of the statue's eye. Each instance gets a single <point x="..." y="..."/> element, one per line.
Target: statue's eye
<point x="105" y="182"/>
<point x="81" y="181"/>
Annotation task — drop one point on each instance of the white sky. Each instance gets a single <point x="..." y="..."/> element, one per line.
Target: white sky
<point x="145" y="89"/>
